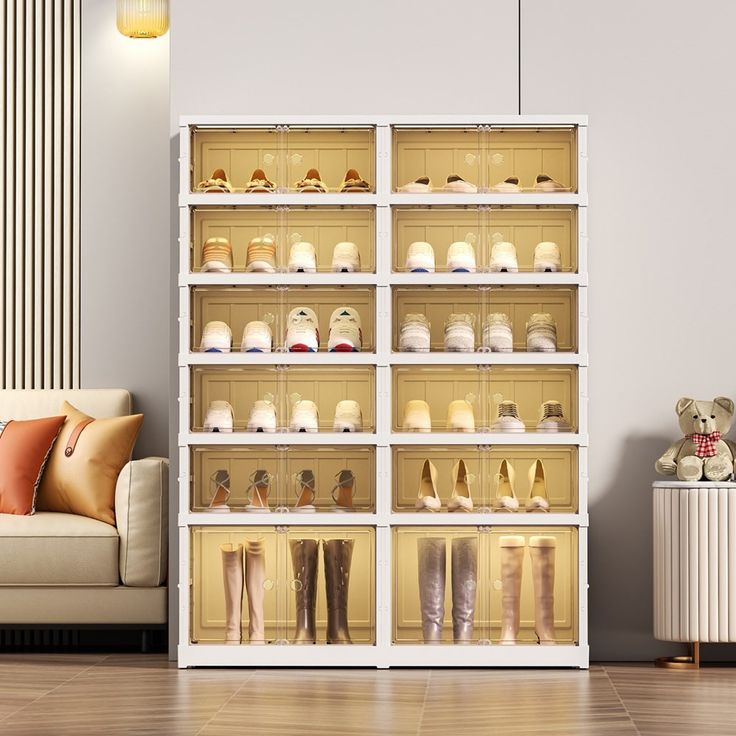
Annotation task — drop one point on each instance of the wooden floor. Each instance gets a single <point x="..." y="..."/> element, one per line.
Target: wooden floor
<point x="61" y="695"/>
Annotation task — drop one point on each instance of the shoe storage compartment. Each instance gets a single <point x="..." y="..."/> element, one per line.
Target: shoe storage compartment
<point x="346" y="573"/>
<point x="485" y="155"/>
<point x="519" y="303"/>
<point x="285" y="154"/>
<point x="323" y="227"/>
<point x="284" y="463"/>
<point x="525" y="227"/>
<point x="484" y="387"/>
<point x="237" y="306"/>
<point x="482" y="463"/>
<point x="285" y="384"/>
<point x="461" y="575"/>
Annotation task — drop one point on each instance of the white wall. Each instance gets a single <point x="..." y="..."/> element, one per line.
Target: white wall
<point x="125" y="233"/>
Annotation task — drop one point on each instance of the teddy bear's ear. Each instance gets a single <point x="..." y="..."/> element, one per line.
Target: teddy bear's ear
<point x="725" y="403"/>
<point x="683" y="404"/>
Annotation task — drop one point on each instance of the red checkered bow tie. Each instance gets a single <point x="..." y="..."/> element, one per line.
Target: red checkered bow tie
<point x="705" y="444"/>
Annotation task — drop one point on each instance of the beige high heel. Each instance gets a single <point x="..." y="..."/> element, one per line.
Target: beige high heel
<point x="305" y="491"/>
<point x="427" y="496"/>
<point x="538" y="500"/>
<point x="460" y="500"/>
<point x="344" y="490"/>
<point x="505" y="499"/>
<point x="258" y="490"/>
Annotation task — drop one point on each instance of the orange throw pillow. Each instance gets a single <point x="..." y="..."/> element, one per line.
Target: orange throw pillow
<point x="24" y="449"/>
<point x="85" y="463"/>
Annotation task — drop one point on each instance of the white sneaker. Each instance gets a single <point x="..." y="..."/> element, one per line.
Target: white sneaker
<point x="420" y="257"/>
<point x="497" y="334"/>
<point x="551" y="418"/>
<point x="461" y="257"/>
<point x="302" y="331"/>
<point x="262" y="417"/>
<point x="546" y="183"/>
<point x="219" y="417"/>
<point x="261" y="255"/>
<point x="348" y="417"/>
<point x="217" y="255"/>
<point x="509" y="185"/>
<point x="456" y="183"/>
<point x="460" y="417"/>
<point x="503" y="258"/>
<point x="346" y="335"/>
<point x="346" y="257"/>
<point x="304" y="416"/>
<point x="422" y="185"/>
<point x="547" y="257"/>
<point x="541" y="333"/>
<point x="257" y="338"/>
<point x="414" y="335"/>
<point x="216" y="338"/>
<point x="302" y="258"/>
<point x="508" y="418"/>
<point x="460" y="333"/>
<point x="416" y="417"/>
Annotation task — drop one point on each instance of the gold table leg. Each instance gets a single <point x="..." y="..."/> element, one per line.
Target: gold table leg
<point x="688" y="662"/>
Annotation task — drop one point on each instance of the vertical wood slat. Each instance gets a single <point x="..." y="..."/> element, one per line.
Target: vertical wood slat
<point x="39" y="193"/>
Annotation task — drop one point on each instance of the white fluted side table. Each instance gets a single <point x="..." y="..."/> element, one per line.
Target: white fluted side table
<point x="694" y="565"/>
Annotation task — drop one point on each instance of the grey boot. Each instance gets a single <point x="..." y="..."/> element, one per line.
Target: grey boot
<point x="337" y="553"/>
<point x="431" y="554"/>
<point x="304" y="561"/>
<point x="464" y="584"/>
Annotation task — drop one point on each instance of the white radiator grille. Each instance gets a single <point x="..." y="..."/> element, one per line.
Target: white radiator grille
<point x="695" y="564"/>
<point x="39" y="194"/>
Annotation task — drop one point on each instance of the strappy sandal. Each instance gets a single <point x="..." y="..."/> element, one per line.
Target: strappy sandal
<point x="258" y="490"/>
<point x="218" y="182"/>
<point x="220" y="480"/>
<point x="305" y="491"/>
<point x="312" y="182"/>
<point x="344" y="491"/>
<point x="259" y="183"/>
<point x="354" y="183"/>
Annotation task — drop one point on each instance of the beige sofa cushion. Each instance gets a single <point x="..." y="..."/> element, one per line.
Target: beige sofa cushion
<point x="35" y="403"/>
<point x="57" y="549"/>
<point x="141" y="510"/>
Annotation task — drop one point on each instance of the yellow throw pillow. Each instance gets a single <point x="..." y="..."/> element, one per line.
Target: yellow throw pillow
<point x="87" y="458"/>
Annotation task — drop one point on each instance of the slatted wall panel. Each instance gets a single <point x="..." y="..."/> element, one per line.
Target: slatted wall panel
<point x="39" y="194"/>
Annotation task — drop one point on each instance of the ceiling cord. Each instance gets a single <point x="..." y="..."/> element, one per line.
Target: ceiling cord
<point x="519" y="58"/>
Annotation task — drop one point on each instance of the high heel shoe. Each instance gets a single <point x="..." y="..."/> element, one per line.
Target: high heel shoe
<point x="220" y="479"/>
<point x="427" y="497"/>
<point x="460" y="499"/>
<point x="538" y="500"/>
<point x="305" y="493"/>
<point x="258" y="490"/>
<point x="505" y="499"/>
<point x="344" y="490"/>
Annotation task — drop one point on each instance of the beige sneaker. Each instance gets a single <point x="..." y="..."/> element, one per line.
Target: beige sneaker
<point x="460" y="416"/>
<point x="414" y="335"/>
<point x="304" y="416"/>
<point x="416" y="417"/>
<point x="552" y="418"/>
<point x="503" y="258"/>
<point x="302" y="258"/>
<point x="546" y="183"/>
<point x="547" y="257"/>
<point x="541" y="333"/>
<point x="216" y="337"/>
<point x="508" y="418"/>
<point x="422" y="185"/>
<point x="348" y="417"/>
<point x="346" y="257"/>
<point x="510" y="185"/>
<point x="455" y="183"/>
<point x="460" y="333"/>
<point x="420" y="257"/>
<point x="497" y="334"/>
<point x="261" y="255"/>
<point x="217" y="255"/>
<point x="257" y="338"/>
<point x="461" y="257"/>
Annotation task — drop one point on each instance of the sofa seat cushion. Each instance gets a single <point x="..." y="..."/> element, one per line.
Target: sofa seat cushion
<point x="51" y="548"/>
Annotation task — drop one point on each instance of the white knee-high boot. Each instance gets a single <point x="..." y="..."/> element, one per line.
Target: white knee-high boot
<point x="512" y="558"/>
<point x="542" y="553"/>
<point x="232" y="578"/>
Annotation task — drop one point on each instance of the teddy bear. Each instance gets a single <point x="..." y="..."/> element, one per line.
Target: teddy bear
<point x="702" y="453"/>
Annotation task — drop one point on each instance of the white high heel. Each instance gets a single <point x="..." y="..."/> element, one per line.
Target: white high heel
<point x="427" y="496"/>
<point x="460" y="500"/>
<point x="505" y="499"/>
<point x="538" y="500"/>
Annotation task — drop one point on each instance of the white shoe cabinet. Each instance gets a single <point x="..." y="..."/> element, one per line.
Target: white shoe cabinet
<point x="482" y="150"/>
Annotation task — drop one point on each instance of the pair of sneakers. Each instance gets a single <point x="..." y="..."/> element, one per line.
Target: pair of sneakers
<point x="304" y="417"/>
<point x="302" y="331"/>
<point x="551" y="419"/>
<point x="217" y="337"/>
<point x="454" y="183"/>
<point x="460" y="257"/>
<point x="543" y="183"/>
<point x="417" y="417"/>
<point x="303" y="257"/>
<point x="541" y="333"/>
<point x="546" y="257"/>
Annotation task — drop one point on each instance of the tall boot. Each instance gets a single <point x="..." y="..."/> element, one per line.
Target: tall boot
<point x="232" y="578"/>
<point x="512" y="557"/>
<point x="255" y="577"/>
<point x="304" y="561"/>
<point x="464" y="583"/>
<point x="542" y="553"/>
<point x="338" y="554"/>
<point x="431" y="554"/>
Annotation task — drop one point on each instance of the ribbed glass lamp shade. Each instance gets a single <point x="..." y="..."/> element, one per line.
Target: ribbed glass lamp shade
<point x="143" y="18"/>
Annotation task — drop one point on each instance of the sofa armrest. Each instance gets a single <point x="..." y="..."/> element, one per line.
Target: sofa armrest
<point x="141" y="516"/>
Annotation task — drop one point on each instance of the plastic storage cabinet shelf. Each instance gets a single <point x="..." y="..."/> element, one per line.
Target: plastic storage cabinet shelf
<point x="383" y="391"/>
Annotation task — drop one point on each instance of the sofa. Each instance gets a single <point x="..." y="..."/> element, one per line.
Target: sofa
<point x="63" y="570"/>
